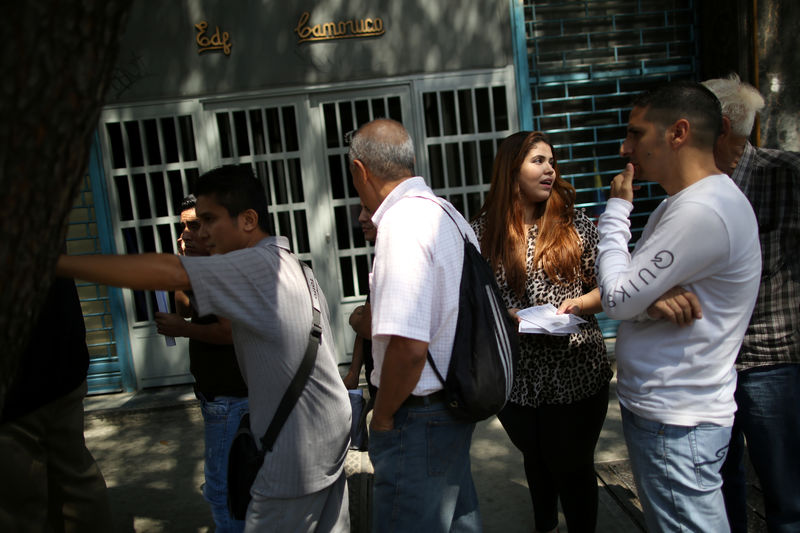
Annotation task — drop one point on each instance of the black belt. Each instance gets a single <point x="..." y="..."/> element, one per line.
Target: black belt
<point x="421" y="401"/>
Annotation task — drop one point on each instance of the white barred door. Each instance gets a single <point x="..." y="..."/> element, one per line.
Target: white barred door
<point x="295" y="143"/>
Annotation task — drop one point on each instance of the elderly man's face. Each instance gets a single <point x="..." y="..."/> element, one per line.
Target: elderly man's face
<point x="367" y="227"/>
<point x="364" y="185"/>
<point x="728" y="151"/>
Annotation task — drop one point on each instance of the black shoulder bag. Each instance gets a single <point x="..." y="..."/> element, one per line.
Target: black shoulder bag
<point x="245" y="459"/>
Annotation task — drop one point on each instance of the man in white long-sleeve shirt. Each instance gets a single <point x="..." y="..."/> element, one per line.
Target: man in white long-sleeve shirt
<point x="676" y="378"/>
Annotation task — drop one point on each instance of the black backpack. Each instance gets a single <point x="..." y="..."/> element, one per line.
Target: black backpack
<point x="486" y="344"/>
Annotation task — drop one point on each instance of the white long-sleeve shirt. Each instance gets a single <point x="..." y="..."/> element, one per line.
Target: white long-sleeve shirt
<point x="704" y="239"/>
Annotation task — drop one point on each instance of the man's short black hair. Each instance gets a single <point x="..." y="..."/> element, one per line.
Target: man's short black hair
<point x="685" y="99"/>
<point x="188" y="202"/>
<point x="236" y="189"/>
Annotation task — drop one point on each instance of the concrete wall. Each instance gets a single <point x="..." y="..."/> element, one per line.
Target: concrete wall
<point x="159" y="57"/>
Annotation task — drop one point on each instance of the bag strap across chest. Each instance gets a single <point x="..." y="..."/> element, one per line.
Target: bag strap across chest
<point x="300" y="379"/>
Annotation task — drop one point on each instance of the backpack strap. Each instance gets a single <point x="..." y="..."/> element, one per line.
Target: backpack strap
<point x="446" y="212"/>
<point x="435" y="370"/>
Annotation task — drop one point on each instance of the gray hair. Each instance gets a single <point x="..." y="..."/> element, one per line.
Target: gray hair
<point x="740" y="102"/>
<point x="388" y="156"/>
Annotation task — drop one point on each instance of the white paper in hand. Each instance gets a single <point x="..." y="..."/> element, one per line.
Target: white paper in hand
<point x="543" y="319"/>
<point x="163" y="307"/>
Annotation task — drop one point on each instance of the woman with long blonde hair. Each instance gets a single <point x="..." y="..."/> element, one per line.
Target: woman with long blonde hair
<point x="542" y="250"/>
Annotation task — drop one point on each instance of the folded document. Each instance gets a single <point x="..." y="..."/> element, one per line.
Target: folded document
<point x="543" y="319"/>
<point x="162" y="299"/>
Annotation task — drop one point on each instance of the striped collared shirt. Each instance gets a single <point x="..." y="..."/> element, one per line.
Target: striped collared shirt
<point x="771" y="181"/>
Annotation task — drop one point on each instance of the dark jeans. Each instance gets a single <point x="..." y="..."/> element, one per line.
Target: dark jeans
<point x="557" y="444"/>
<point x="768" y="416"/>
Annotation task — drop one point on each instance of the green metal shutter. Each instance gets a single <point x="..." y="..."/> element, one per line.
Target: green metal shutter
<point x="585" y="61"/>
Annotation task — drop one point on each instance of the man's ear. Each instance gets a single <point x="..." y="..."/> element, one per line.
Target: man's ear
<point x="359" y="172"/>
<point x="679" y="132"/>
<point x="366" y="184"/>
<point x="248" y="219"/>
<point x="726" y="127"/>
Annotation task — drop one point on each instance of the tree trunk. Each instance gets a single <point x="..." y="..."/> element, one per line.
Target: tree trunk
<point x="57" y="64"/>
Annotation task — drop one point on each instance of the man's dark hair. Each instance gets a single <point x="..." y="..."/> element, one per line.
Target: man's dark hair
<point x="188" y="202"/>
<point x="685" y="99"/>
<point x="236" y="189"/>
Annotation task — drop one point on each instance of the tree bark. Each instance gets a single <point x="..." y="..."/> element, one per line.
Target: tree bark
<point x="57" y="62"/>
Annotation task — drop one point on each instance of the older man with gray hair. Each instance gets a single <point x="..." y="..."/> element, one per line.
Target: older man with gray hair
<point x="419" y="450"/>
<point x="768" y="389"/>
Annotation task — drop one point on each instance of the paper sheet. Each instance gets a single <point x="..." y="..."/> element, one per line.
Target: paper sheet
<point x="544" y="320"/>
<point x="163" y="307"/>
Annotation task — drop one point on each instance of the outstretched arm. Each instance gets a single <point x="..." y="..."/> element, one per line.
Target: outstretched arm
<point x="142" y="271"/>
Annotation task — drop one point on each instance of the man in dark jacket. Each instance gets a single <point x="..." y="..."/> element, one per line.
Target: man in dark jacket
<point x="50" y="479"/>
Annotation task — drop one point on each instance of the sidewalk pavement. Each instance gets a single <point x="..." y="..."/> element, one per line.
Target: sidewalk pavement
<point x="149" y="446"/>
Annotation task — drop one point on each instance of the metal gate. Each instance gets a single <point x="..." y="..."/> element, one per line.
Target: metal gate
<point x="150" y="160"/>
<point x="295" y="144"/>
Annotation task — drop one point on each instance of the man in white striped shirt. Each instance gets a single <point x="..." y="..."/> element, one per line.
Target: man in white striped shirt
<point x="419" y="450"/>
<point x="254" y="280"/>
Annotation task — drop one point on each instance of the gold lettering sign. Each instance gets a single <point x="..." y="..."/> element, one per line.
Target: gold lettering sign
<point x="343" y="29"/>
<point x="218" y="41"/>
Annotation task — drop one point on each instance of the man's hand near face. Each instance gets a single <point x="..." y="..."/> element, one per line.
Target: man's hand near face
<point x="622" y="185"/>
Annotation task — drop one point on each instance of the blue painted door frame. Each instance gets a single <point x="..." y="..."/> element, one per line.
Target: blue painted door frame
<point x="125" y="379"/>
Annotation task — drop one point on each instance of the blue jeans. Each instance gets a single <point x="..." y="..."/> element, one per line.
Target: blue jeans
<point x="768" y="416"/>
<point x="677" y="473"/>
<point x="423" y="480"/>
<point x="221" y="418"/>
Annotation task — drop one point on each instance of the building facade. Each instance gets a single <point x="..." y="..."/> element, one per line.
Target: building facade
<point x="205" y="83"/>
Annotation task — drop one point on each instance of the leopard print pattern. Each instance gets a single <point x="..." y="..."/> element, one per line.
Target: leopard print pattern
<point x="557" y="369"/>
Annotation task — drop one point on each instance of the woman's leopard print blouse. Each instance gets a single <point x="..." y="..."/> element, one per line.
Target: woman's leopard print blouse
<point x="557" y="369"/>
